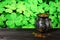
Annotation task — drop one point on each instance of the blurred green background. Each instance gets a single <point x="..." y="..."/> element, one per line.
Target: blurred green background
<point x="22" y="13"/>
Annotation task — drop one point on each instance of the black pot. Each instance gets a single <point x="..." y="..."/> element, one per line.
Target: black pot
<point x="43" y="23"/>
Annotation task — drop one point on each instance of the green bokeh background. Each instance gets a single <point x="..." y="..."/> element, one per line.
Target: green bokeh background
<point x="22" y="13"/>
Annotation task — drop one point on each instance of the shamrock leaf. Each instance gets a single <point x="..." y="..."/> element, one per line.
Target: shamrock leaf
<point x="51" y="3"/>
<point x="21" y="7"/>
<point x="32" y="21"/>
<point x="1" y="9"/>
<point x="11" y="16"/>
<point x="10" y="24"/>
<point x="2" y="18"/>
<point x="52" y="18"/>
<point x="1" y="23"/>
<point x="18" y="20"/>
<point x="27" y="13"/>
<point x="34" y="8"/>
<point x="8" y="10"/>
<point x="52" y="10"/>
<point x="58" y="9"/>
<point x="58" y="25"/>
<point x="11" y="20"/>
<point x="40" y="1"/>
